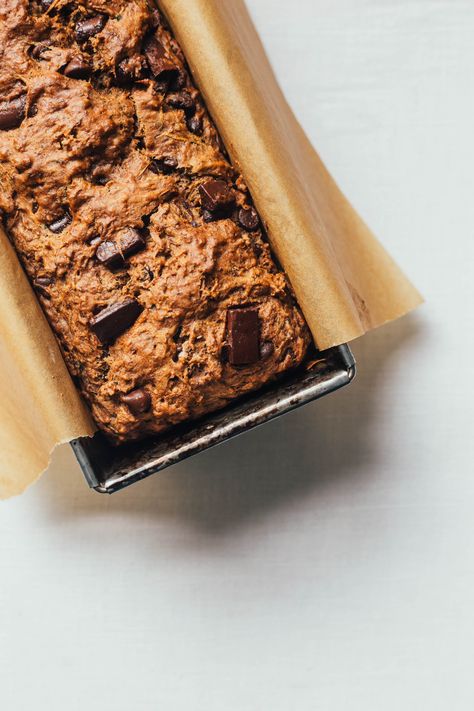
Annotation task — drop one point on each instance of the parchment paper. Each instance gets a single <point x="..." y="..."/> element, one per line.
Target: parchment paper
<point x="345" y="282"/>
<point x="39" y="404"/>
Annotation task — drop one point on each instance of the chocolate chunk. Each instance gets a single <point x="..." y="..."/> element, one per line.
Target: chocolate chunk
<point x="161" y="66"/>
<point x="12" y="113"/>
<point x="85" y="29"/>
<point x="243" y="338"/>
<point x="138" y="401"/>
<point x="216" y="195"/>
<point x="108" y="254"/>
<point x="209" y="216"/>
<point x="183" y="101"/>
<point x="267" y="349"/>
<point x="249" y="219"/>
<point x="112" y="321"/>
<point x="113" y="255"/>
<point x="178" y="82"/>
<point x="43" y="281"/>
<point x="166" y="165"/>
<point x="60" y="224"/>
<point x="195" y="125"/>
<point x="131" y="242"/>
<point x="38" y="50"/>
<point x="41" y="284"/>
<point x="77" y="68"/>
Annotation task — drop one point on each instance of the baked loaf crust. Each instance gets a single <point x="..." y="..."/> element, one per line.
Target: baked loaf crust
<point x="138" y="235"/>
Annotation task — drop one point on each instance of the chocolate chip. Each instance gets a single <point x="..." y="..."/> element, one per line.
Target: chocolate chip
<point x="113" y="254"/>
<point x="60" y="224"/>
<point x="195" y="125"/>
<point x="138" y="401"/>
<point x="41" y="284"/>
<point x="161" y="66"/>
<point x="77" y="68"/>
<point x="131" y="242"/>
<point x="267" y="349"/>
<point x="183" y="101"/>
<point x="43" y="281"/>
<point x="243" y="339"/>
<point x="38" y="50"/>
<point x="85" y="29"/>
<point x="112" y="321"/>
<point x="108" y="254"/>
<point x="178" y="82"/>
<point x="216" y="195"/>
<point x="249" y="219"/>
<point x="12" y="113"/>
<point x="215" y="216"/>
<point x="166" y="165"/>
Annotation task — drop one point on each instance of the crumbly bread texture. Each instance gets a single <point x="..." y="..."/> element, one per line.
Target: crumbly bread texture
<point x="138" y="235"/>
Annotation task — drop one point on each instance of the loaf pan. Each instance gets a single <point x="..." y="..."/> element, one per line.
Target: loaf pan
<point x="108" y="469"/>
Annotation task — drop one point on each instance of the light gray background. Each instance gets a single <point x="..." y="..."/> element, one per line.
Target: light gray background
<point x="325" y="561"/>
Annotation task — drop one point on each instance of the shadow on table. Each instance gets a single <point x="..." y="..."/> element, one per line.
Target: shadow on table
<point x="301" y="454"/>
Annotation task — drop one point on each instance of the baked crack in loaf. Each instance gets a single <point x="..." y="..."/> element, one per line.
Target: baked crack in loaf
<point x="140" y="238"/>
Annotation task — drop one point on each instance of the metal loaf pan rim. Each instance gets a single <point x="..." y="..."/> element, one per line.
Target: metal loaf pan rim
<point x="108" y="469"/>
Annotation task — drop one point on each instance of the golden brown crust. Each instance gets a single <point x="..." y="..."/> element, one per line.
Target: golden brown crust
<point x="124" y="149"/>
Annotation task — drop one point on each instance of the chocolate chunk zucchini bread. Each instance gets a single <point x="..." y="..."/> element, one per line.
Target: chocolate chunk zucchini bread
<point x="140" y="238"/>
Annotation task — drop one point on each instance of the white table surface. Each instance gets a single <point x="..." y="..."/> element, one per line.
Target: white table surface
<point x="325" y="561"/>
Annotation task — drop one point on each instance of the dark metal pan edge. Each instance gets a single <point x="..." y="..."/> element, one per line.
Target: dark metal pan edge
<point x="219" y="427"/>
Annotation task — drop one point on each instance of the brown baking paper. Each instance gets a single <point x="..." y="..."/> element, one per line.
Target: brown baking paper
<point x="344" y="280"/>
<point x="39" y="405"/>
